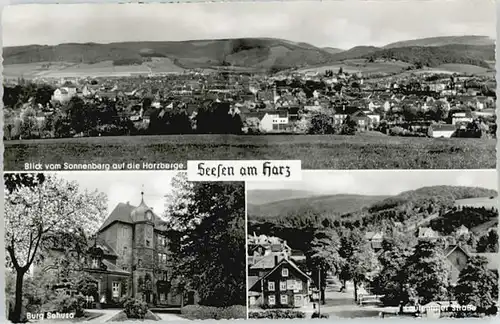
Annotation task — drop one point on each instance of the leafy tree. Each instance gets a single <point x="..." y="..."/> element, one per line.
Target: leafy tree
<point x="427" y="272"/>
<point x="358" y="258"/>
<point x="81" y="116"/>
<point x="34" y="214"/>
<point x="391" y="280"/>
<point x="87" y="285"/>
<point x="488" y="242"/>
<point x="349" y="126"/>
<point x="324" y="255"/>
<point x="16" y="181"/>
<point x="212" y="250"/>
<point x="477" y="285"/>
<point x="321" y="124"/>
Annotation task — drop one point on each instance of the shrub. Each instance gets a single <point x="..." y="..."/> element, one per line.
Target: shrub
<point x="209" y="312"/>
<point x="318" y="315"/>
<point x="277" y="314"/>
<point x="135" y="308"/>
<point x="63" y="303"/>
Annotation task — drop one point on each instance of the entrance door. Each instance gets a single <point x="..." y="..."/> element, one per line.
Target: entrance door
<point x="298" y="301"/>
<point x="148" y="297"/>
<point x="190" y="298"/>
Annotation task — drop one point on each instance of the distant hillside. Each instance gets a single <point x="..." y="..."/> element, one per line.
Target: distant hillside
<point x="443" y="194"/>
<point x="442" y="41"/>
<point x="333" y="50"/>
<point x="355" y="52"/>
<point x="261" y="197"/>
<point x="256" y="53"/>
<point x="328" y="204"/>
<point x="438" y="55"/>
<point x="246" y="52"/>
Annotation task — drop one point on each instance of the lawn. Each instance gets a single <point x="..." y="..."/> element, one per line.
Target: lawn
<point x="315" y="151"/>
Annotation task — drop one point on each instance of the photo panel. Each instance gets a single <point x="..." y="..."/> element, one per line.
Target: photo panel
<point x="335" y="84"/>
<point x="374" y="244"/>
<point x="122" y="246"/>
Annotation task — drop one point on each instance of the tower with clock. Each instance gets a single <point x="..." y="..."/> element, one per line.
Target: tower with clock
<point x="143" y="251"/>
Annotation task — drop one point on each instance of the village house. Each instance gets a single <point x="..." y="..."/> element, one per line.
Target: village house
<point x="441" y="130"/>
<point x="456" y="258"/>
<point x="461" y="117"/>
<point x="64" y="94"/>
<point x="427" y="233"/>
<point x="375" y="239"/>
<point x="283" y="286"/>
<point x="276" y="121"/>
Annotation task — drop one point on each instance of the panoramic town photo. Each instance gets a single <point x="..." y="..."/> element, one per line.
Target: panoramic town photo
<point x="374" y="244"/>
<point x="335" y="84"/>
<point x="120" y="246"/>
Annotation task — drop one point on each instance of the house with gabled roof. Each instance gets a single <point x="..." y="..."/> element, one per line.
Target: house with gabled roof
<point x="283" y="285"/>
<point x="456" y="258"/>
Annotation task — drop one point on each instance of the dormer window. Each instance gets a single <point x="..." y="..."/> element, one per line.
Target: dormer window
<point x="95" y="263"/>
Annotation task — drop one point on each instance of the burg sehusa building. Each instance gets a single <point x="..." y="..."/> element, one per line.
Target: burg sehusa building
<point x="131" y="258"/>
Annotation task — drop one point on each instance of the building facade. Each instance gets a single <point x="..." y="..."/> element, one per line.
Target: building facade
<point x="284" y="286"/>
<point x="131" y="258"/>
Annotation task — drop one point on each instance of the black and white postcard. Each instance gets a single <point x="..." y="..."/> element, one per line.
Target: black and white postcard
<point x="337" y="84"/>
<point x="369" y="244"/>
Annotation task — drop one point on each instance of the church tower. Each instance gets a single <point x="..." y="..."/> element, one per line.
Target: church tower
<point x="143" y="251"/>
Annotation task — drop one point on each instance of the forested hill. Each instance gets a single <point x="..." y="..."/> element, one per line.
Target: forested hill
<point x="363" y="210"/>
<point x="322" y="205"/>
<point x="301" y="221"/>
<point x="258" y="53"/>
<point x="415" y="205"/>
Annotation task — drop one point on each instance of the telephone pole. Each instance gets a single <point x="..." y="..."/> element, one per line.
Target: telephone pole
<point x="319" y="292"/>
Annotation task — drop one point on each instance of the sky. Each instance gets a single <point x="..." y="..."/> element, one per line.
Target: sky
<point x="123" y="187"/>
<point x="340" y="24"/>
<point x="380" y="182"/>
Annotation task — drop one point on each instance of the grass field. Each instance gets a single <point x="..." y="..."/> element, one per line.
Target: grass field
<point x="486" y="202"/>
<point x="315" y="151"/>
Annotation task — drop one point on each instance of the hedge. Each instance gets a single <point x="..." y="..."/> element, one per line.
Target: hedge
<point x="209" y="312"/>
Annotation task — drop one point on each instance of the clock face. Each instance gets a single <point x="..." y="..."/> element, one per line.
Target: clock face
<point x="149" y="215"/>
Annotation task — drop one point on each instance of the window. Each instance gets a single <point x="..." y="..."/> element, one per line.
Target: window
<point x="272" y="300"/>
<point x="125" y="268"/>
<point x="284" y="299"/>
<point x="284" y="272"/>
<point x="116" y="289"/>
<point x="95" y="263"/>
<point x="162" y="258"/>
<point x="298" y="301"/>
<point x="298" y="285"/>
<point x="148" y="243"/>
<point x="270" y="285"/>
<point x="282" y="285"/>
<point x="139" y="263"/>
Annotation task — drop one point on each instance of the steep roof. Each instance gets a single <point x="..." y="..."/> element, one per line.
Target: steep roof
<point x="267" y="262"/>
<point x="122" y="213"/>
<point x="452" y="248"/>
<point x="283" y="261"/>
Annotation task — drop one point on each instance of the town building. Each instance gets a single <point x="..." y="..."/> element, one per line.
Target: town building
<point x="283" y="286"/>
<point x="133" y="244"/>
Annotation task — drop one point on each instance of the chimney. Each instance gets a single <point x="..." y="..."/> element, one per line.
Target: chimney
<point x="275" y="260"/>
<point x="128" y="203"/>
